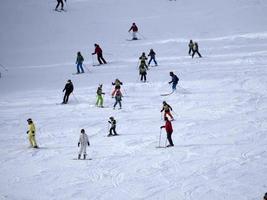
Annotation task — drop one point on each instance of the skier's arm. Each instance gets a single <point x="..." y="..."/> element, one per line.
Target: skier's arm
<point x="170" y="107"/>
<point x="162" y="109"/>
<point x="130" y="29"/>
<point x="109" y="122"/>
<point x="162" y="127"/>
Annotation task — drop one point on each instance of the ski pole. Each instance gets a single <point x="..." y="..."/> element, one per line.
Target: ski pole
<point x="166" y="142"/>
<point x="141" y="35"/>
<point x="175" y="113"/>
<point x="159" y="137"/>
<point x="75" y="97"/>
<point x="93" y="61"/>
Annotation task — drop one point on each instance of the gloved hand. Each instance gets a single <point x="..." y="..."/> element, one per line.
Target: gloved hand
<point x="88" y="144"/>
<point x="27" y="132"/>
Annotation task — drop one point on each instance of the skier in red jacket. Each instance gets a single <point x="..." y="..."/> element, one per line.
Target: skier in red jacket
<point x="169" y="130"/>
<point x="98" y="52"/>
<point x="134" y="28"/>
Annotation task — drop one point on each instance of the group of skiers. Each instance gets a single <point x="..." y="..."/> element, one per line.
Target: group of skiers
<point x="193" y="47"/>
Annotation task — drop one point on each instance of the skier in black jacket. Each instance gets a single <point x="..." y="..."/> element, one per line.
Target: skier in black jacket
<point x="58" y="3"/>
<point x="113" y="127"/>
<point x="68" y="90"/>
<point x="195" y="50"/>
<point x="190" y="45"/>
<point x="174" y="81"/>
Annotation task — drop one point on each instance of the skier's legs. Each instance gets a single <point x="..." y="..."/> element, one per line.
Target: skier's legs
<point x="67" y="97"/>
<point x="199" y="54"/>
<point x="78" y="68"/>
<point x="134" y="35"/>
<point x="99" y="60"/>
<point x="104" y="61"/>
<point x="169" y="137"/>
<point x="145" y="77"/>
<point x="114" y="106"/>
<point x="62" y="4"/>
<point x="101" y="100"/>
<point x="84" y="150"/>
<point x="190" y="50"/>
<point x="58" y="2"/>
<point x="33" y="141"/>
<point x="174" y="86"/>
<point x="120" y="103"/>
<point x="142" y="76"/>
<point x="149" y="60"/>
<point x="193" y="54"/>
<point x="154" y="59"/>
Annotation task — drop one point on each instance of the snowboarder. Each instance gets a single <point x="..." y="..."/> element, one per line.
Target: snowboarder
<point x="169" y="130"/>
<point x="31" y="133"/>
<point x="190" y="45"/>
<point x="152" y="55"/>
<point x="58" y="3"/>
<point x="79" y="62"/>
<point x="117" y="84"/>
<point x="134" y="30"/>
<point x="113" y="127"/>
<point x="83" y="141"/>
<point x="99" y="53"/>
<point x="142" y="71"/>
<point x="167" y="110"/>
<point x="195" y="50"/>
<point x="118" y="96"/>
<point x="174" y="81"/>
<point x="99" y="93"/>
<point x="68" y="90"/>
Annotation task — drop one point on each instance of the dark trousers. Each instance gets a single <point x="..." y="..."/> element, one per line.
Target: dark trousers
<point x="80" y="66"/>
<point x="152" y="58"/>
<point x="169" y="137"/>
<point x="143" y="77"/>
<point x="190" y="50"/>
<point x="197" y="53"/>
<point x="112" y="129"/>
<point x="100" y="59"/>
<point x="117" y="102"/>
<point x="66" y="97"/>
<point x="60" y="2"/>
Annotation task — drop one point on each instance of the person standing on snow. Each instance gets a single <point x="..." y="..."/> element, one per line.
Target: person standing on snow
<point x="79" y="62"/>
<point x="265" y="196"/>
<point x="190" y="45"/>
<point x="31" y="133"/>
<point x="83" y="141"/>
<point x="169" y="130"/>
<point x="113" y="127"/>
<point x="142" y="71"/>
<point x="68" y="90"/>
<point x="167" y="110"/>
<point x="117" y="84"/>
<point x="58" y="3"/>
<point x="174" y="81"/>
<point x="118" y="98"/>
<point x="134" y="30"/>
<point x="99" y="93"/>
<point x="143" y="57"/>
<point x="195" y="50"/>
<point x="152" y="55"/>
<point x="99" y="53"/>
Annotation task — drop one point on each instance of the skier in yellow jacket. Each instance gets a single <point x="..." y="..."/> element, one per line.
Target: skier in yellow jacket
<point x="31" y="133"/>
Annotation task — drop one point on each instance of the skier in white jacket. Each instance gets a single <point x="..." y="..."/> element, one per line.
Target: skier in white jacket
<point x="83" y="141"/>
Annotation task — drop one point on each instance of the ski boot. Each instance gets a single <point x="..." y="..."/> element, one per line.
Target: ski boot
<point x="84" y="156"/>
<point x="79" y="156"/>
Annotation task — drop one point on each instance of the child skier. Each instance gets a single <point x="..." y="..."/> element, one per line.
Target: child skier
<point x="190" y="45"/>
<point x="134" y="28"/>
<point x="143" y="57"/>
<point x="118" y="96"/>
<point x="142" y="71"/>
<point x="68" y="90"/>
<point x="99" y="53"/>
<point x="58" y="3"/>
<point x="195" y="50"/>
<point x="83" y="141"/>
<point x="174" y="81"/>
<point x="79" y="62"/>
<point x="113" y="127"/>
<point x="169" y="130"/>
<point x="167" y="110"/>
<point x="31" y="133"/>
<point x="117" y="84"/>
<point x="99" y="93"/>
<point x="152" y="55"/>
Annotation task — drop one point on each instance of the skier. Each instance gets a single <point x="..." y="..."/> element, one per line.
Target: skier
<point x="174" y="81"/>
<point x="142" y="70"/>
<point x="31" y="133"/>
<point x="117" y="84"/>
<point x="190" y="45"/>
<point x="152" y="55"/>
<point x="99" y="53"/>
<point x="143" y="57"/>
<point x="58" y="3"/>
<point x="79" y="62"/>
<point x="195" y="50"/>
<point x="99" y="101"/>
<point x="113" y="127"/>
<point x="167" y="109"/>
<point x="68" y="90"/>
<point x="134" y="28"/>
<point x="169" y="130"/>
<point x="83" y="141"/>
<point x="118" y="96"/>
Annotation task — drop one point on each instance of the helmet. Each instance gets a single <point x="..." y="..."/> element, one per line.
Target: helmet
<point x="164" y="102"/>
<point x="82" y="131"/>
<point x="171" y="73"/>
<point x="69" y="81"/>
<point x="29" y="120"/>
<point x="111" y="118"/>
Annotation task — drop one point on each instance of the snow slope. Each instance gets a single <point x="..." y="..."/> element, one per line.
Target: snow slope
<point x="220" y="105"/>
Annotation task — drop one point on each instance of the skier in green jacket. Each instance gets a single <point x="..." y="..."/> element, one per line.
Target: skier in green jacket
<point x="99" y="93"/>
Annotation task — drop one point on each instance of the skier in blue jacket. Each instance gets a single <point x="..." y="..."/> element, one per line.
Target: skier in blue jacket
<point x="174" y="81"/>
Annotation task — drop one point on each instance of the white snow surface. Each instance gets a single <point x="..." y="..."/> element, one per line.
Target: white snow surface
<point x="220" y="105"/>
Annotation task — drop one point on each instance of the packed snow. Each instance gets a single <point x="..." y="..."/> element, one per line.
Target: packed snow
<point x="219" y="107"/>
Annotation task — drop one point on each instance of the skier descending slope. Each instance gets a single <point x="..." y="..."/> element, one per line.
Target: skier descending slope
<point x="134" y="30"/>
<point x="58" y="3"/>
<point x="190" y="46"/>
<point x="99" y="93"/>
<point x="174" y="81"/>
<point x="113" y="127"/>
<point x="79" y="62"/>
<point x="118" y="98"/>
<point x="83" y="141"/>
<point x="195" y="50"/>
<point x="31" y="133"/>
<point x="167" y="110"/>
<point x="142" y="71"/>
<point x="117" y="84"/>
<point x="99" y="53"/>
<point x="68" y="90"/>
<point x="152" y="55"/>
<point x="169" y="130"/>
